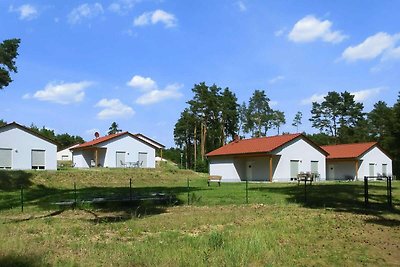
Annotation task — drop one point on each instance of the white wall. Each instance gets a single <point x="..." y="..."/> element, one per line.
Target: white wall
<point x="224" y="166"/>
<point x="65" y="154"/>
<point x="22" y="143"/>
<point x="298" y="149"/>
<point x="377" y="157"/>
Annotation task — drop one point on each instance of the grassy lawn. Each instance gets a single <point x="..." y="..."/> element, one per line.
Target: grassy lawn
<point x="218" y="228"/>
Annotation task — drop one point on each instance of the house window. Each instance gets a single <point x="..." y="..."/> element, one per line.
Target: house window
<point x="38" y="159"/>
<point x="294" y="169"/>
<point x="314" y="166"/>
<point x="5" y="158"/>
<point x="372" y="169"/>
<point x="142" y="159"/>
<point x="384" y="169"/>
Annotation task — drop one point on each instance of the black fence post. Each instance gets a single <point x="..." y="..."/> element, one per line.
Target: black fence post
<point x="305" y="191"/>
<point x="75" y="201"/>
<point x="22" y="198"/>
<point x="389" y="190"/>
<point x="130" y="189"/>
<point x="188" y="191"/>
<point x="366" y="191"/>
<point x="247" y="191"/>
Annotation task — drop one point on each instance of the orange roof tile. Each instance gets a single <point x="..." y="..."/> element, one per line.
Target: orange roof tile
<point x="254" y="145"/>
<point x="347" y="150"/>
<point x="100" y="140"/>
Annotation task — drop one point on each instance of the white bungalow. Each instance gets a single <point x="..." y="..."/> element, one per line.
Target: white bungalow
<point x="66" y="154"/>
<point x="354" y="161"/>
<point x="115" y="151"/>
<point x="276" y="158"/>
<point x="23" y="149"/>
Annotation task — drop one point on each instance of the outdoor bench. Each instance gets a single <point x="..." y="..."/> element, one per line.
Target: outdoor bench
<point x="214" y="178"/>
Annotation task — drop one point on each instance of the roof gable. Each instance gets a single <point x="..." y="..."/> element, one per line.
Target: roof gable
<point x="29" y="131"/>
<point x="149" y="140"/>
<point x="110" y="137"/>
<point x="259" y="145"/>
<point x="348" y="151"/>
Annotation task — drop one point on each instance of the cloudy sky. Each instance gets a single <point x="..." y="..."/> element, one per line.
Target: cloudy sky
<point x="84" y="64"/>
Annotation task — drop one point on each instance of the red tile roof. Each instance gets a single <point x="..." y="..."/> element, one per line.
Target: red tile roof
<point x="100" y="140"/>
<point x="347" y="151"/>
<point x="254" y="145"/>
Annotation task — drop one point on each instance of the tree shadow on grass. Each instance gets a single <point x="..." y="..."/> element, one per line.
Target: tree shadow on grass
<point x="21" y="260"/>
<point x="12" y="180"/>
<point x="342" y="197"/>
<point x="104" y="204"/>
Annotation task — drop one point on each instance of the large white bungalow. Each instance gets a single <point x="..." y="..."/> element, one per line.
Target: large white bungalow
<point x="23" y="149"/>
<point x="276" y="158"/>
<point x="354" y="161"/>
<point x="115" y="151"/>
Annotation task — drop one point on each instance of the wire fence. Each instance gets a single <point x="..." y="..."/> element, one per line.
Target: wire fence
<point x="381" y="195"/>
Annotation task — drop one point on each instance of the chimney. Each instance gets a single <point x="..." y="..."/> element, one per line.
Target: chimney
<point x="236" y="138"/>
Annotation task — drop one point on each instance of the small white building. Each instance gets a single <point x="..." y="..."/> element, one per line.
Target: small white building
<point x="354" y="161"/>
<point x="115" y="151"/>
<point x="66" y="154"/>
<point x="276" y="158"/>
<point x="23" y="149"/>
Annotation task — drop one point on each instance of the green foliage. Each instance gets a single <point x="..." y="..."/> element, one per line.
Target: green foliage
<point x="337" y="112"/>
<point x="2" y="123"/>
<point x="8" y="54"/>
<point x="297" y="120"/>
<point x="278" y="119"/>
<point x="208" y="123"/>
<point x="258" y="114"/>
<point x="114" y="128"/>
<point x="202" y="166"/>
<point x="63" y="140"/>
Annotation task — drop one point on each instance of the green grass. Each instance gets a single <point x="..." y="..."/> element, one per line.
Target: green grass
<point x="276" y="228"/>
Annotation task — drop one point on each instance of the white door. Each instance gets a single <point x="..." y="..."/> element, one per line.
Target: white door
<point x="294" y="169"/>
<point x="142" y="159"/>
<point x="38" y="159"/>
<point x="120" y="156"/>
<point x="372" y="169"/>
<point x="331" y="172"/>
<point x="5" y="158"/>
<point x="249" y="170"/>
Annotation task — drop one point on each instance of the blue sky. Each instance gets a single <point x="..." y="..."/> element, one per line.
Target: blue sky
<point x="84" y="64"/>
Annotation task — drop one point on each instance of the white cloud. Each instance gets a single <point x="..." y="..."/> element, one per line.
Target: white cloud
<point x="363" y="95"/>
<point x="154" y="17"/>
<point x="359" y="96"/>
<point x="151" y="93"/>
<point x="142" y="83"/>
<point x="372" y="47"/>
<point x="85" y="11"/>
<point x="62" y="93"/>
<point x="122" y="6"/>
<point x="26" y="12"/>
<point x="279" y="32"/>
<point x="155" y="96"/>
<point x="391" y="54"/>
<point x="313" y="98"/>
<point x="242" y="7"/>
<point x="276" y="79"/>
<point x="310" y="29"/>
<point x="113" y="108"/>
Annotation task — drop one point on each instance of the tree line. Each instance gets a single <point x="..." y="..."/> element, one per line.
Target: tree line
<point x="213" y="117"/>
